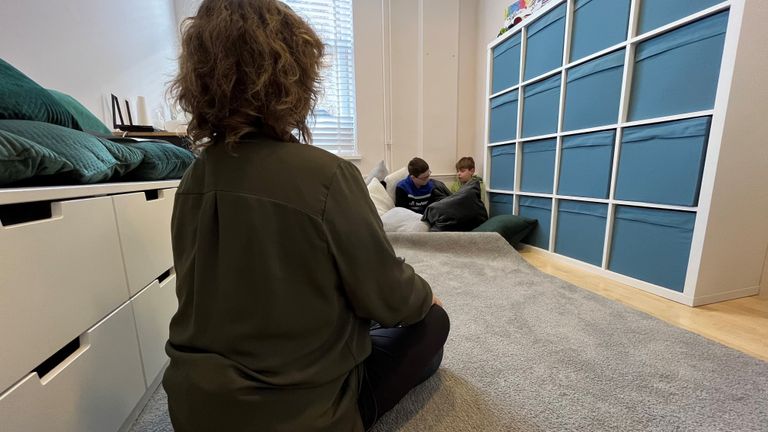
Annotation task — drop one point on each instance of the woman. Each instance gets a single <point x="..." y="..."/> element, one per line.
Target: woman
<point x="280" y="256"/>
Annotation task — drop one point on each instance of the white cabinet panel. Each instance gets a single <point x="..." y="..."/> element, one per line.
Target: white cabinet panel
<point x="145" y="235"/>
<point x="93" y="389"/>
<point x="153" y="309"/>
<point x="58" y="276"/>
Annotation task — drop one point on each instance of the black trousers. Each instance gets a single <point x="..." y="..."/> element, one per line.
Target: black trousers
<point x="401" y="359"/>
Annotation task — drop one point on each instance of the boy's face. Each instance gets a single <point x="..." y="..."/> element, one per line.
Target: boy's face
<point x="422" y="179"/>
<point x="465" y="174"/>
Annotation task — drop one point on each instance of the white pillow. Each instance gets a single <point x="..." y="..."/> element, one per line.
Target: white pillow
<point x="379" y="196"/>
<point x="401" y="219"/>
<point x="378" y="172"/>
<point x="393" y="179"/>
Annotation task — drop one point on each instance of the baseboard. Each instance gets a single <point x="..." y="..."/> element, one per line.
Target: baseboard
<point x="128" y="423"/>
<point x="730" y="295"/>
<point x="628" y="281"/>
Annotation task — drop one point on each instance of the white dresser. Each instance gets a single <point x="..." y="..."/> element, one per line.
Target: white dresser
<point x="87" y="289"/>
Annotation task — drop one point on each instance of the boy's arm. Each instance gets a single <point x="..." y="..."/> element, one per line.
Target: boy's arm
<point x="483" y="193"/>
<point x="439" y="191"/>
<point x="401" y="197"/>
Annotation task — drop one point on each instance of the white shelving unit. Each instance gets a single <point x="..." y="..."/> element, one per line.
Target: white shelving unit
<point x="729" y="235"/>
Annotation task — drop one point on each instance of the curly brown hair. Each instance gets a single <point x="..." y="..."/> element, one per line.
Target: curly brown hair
<point x="247" y="65"/>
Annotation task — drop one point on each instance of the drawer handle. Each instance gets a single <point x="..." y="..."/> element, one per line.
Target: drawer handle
<point x="14" y="214"/>
<point x="152" y="195"/>
<point x="54" y="364"/>
<point x="166" y="274"/>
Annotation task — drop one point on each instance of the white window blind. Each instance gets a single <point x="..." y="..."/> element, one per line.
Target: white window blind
<point x="333" y="125"/>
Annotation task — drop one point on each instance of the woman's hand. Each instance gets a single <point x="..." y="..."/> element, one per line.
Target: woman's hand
<point x="436" y="301"/>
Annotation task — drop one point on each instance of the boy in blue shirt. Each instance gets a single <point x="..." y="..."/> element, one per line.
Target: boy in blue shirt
<point x="415" y="191"/>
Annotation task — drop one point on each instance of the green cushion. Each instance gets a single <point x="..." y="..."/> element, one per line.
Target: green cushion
<point x="512" y="228"/>
<point x="93" y="159"/>
<point x="22" y="159"/>
<point x="87" y="121"/>
<point x="23" y="99"/>
<point x="128" y="158"/>
<point x="162" y="161"/>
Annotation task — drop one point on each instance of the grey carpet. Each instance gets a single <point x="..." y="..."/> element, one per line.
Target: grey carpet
<point x="529" y="352"/>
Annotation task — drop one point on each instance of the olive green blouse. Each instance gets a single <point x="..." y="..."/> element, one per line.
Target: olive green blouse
<point x="281" y="264"/>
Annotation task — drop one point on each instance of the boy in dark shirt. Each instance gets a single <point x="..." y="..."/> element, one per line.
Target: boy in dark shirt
<point x="415" y="191"/>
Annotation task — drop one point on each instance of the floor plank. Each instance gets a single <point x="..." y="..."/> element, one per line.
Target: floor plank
<point x="741" y="324"/>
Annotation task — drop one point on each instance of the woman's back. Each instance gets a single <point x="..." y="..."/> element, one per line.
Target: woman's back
<point x="272" y="292"/>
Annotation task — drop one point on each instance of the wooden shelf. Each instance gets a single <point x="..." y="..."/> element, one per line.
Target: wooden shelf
<point x="180" y="139"/>
<point x="157" y="134"/>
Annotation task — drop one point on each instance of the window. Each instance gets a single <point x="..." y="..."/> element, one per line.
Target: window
<point x="333" y="126"/>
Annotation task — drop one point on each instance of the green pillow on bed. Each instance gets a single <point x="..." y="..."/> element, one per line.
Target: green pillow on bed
<point x="162" y="161"/>
<point x="512" y="228"/>
<point x="21" y="159"/>
<point x="87" y="121"/>
<point x="23" y="99"/>
<point x="93" y="159"/>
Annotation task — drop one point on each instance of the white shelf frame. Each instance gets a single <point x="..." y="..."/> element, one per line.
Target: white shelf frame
<point x="629" y="47"/>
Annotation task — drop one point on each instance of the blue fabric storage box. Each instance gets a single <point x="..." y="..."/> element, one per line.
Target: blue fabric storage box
<point x="544" y="43"/>
<point x="541" y="210"/>
<point x="581" y="230"/>
<point x="662" y="163"/>
<point x="656" y="13"/>
<point x="503" y="125"/>
<point x="677" y="72"/>
<point x="585" y="164"/>
<point x="597" y="25"/>
<point x="503" y="167"/>
<point x="500" y="204"/>
<point x="652" y="245"/>
<point x="542" y="102"/>
<point x="538" y="166"/>
<point x="593" y="92"/>
<point x="506" y="64"/>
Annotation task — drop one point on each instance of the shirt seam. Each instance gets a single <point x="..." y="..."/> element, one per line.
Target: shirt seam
<point x="282" y="203"/>
<point x="336" y="174"/>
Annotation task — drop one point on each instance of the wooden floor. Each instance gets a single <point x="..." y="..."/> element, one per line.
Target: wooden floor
<point x="741" y="324"/>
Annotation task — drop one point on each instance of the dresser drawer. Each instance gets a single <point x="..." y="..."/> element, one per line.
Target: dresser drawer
<point x="59" y="275"/>
<point x="153" y="309"/>
<point x="144" y="222"/>
<point x="93" y="388"/>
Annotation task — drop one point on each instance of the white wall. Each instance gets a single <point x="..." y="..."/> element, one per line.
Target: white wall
<point x="369" y="82"/>
<point x="417" y="65"/>
<point x="415" y="78"/>
<point x="418" y="74"/>
<point x="91" y="48"/>
<point x="490" y="18"/>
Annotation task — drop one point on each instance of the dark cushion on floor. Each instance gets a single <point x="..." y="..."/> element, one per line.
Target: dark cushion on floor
<point x="462" y="211"/>
<point x="512" y="228"/>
